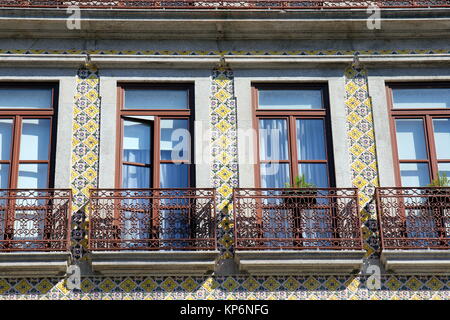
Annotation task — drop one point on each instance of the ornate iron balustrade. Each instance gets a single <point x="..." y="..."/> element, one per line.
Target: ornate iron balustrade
<point x="230" y="4"/>
<point x="414" y="218"/>
<point x="35" y="219"/>
<point x="296" y="219"/>
<point x="152" y="219"/>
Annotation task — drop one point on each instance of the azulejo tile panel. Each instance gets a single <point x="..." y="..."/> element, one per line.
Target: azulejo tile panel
<point x="363" y="160"/>
<point x="224" y="156"/>
<point x="85" y="149"/>
<point x="236" y="287"/>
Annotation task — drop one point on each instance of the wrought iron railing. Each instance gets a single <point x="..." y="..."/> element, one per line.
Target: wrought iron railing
<point x="35" y="220"/>
<point x="296" y="219"/>
<point x="152" y="219"/>
<point x="414" y="218"/>
<point x="229" y="4"/>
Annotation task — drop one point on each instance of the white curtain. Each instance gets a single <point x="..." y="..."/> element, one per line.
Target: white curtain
<point x="311" y="139"/>
<point x="136" y="148"/>
<point x="273" y="141"/>
<point x="174" y="221"/>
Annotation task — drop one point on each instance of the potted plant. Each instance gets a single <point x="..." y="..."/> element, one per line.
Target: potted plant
<point x="439" y="196"/>
<point x="300" y="188"/>
<point x="298" y="200"/>
<point x="437" y="203"/>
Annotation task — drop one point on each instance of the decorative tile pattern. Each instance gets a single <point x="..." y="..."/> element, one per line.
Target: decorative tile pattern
<point x="229" y="52"/>
<point x="363" y="158"/>
<point x="85" y="149"/>
<point x="224" y="173"/>
<point x="237" y="287"/>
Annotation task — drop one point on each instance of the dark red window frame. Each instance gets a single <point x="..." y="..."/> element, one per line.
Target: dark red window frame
<point x="291" y="116"/>
<point x="427" y="115"/>
<point x="158" y="115"/>
<point x="18" y="115"/>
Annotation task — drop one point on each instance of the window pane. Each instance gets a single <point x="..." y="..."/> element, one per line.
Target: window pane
<point x="135" y="177"/>
<point x="136" y="142"/>
<point x="442" y="138"/>
<point x="174" y="222"/>
<point x="414" y="174"/>
<point x="311" y="140"/>
<point x="290" y="99"/>
<point x="421" y="98"/>
<point x="175" y="140"/>
<point x="444" y="168"/>
<point x="410" y="139"/>
<point x="174" y="175"/>
<point x="273" y="139"/>
<point x="5" y="138"/>
<point x="156" y="99"/>
<point x="33" y="176"/>
<point x="315" y="173"/>
<point x="274" y="175"/>
<point x="35" y="98"/>
<point x="4" y="176"/>
<point x="35" y="139"/>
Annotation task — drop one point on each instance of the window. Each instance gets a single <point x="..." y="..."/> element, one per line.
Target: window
<point x="155" y="124"/>
<point x="26" y="139"/>
<point x="293" y="130"/>
<point x="155" y="152"/>
<point x="420" y="118"/>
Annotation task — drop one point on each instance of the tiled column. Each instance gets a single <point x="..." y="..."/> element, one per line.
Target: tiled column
<point x="224" y="152"/>
<point x="85" y="148"/>
<point x="363" y="160"/>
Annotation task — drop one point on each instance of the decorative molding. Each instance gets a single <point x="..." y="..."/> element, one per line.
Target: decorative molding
<point x="225" y="53"/>
<point x="227" y="5"/>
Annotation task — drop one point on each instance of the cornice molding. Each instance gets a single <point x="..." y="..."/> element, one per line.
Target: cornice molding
<point x="224" y="24"/>
<point x="209" y="59"/>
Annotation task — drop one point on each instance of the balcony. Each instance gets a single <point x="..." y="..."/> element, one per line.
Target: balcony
<point x="152" y="231"/>
<point x="229" y="4"/>
<point x="34" y="231"/>
<point x="293" y="231"/>
<point x="415" y="229"/>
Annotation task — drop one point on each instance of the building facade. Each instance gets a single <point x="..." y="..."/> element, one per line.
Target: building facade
<point x="224" y="150"/>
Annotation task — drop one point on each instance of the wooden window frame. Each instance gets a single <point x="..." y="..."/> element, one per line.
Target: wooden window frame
<point x="18" y="115"/>
<point x="425" y="114"/>
<point x="291" y="115"/>
<point x="158" y="114"/>
<point x="155" y="151"/>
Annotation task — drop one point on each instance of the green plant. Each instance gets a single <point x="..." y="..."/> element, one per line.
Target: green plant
<point x="439" y="198"/>
<point x="300" y="182"/>
<point x="440" y="181"/>
<point x="300" y="197"/>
